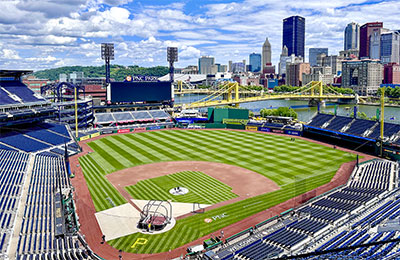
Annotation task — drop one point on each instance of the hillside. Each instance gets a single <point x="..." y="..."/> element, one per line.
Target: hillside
<point x="118" y="72"/>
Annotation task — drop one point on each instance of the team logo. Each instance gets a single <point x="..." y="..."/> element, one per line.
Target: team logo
<point x="208" y="220"/>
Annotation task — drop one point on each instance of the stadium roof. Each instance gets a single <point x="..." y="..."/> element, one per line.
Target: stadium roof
<point x="185" y="77"/>
<point x="14" y="73"/>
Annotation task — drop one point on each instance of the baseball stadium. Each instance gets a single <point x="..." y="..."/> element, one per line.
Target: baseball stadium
<point x="133" y="181"/>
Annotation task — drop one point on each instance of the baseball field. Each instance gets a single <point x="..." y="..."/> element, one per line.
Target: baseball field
<point x="296" y="166"/>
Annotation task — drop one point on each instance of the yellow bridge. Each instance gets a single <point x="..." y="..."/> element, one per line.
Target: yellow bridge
<point x="229" y="94"/>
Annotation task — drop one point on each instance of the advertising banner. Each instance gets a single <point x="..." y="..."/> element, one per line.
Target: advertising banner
<point x="265" y="129"/>
<point x="291" y="132"/>
<point x="95" y="135"/>
<point x="84" y="138"/>
<point x="278" y="131"/>
<point x="107" y="132"/>
<point x="139" y="129"/>
<point x="153" y="127"/>
<point x="251" y="128"/>
<point x="235" y="121"/>
<point x="121" y="131"/>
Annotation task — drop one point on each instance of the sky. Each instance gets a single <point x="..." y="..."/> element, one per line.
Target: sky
<point x="42" y="34"/>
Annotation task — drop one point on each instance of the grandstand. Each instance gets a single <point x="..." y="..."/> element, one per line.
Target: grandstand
<point x="133" y="119"/>
<point x="353" y="126"/>
<point x="37" y="211"/>
<point x="343" y="218"/>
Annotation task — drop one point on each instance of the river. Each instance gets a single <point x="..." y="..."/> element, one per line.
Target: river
<point x="392" y="114"/>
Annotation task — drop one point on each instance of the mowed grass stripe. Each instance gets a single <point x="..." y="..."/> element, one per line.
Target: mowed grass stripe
<point x="217" y="190"/>
<point x="247" y="162"/>
<point x="134" y="152"/>
<point x="184" y="153"/>
<point x="203" y="189"/>
<point x="201" y="153"/>
<point x="105" y="155"/>
<point x="143" y="149"/>
<point x="107" y="186"/>
<point x="153" y="148"/>
<point x="129" y="160"/>
<point x="98" y="186"/>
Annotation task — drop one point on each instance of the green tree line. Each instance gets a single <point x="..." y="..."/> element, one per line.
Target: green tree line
<point x="287" y="88"/>
<point x="117" y="72"/>
<point x="391" y="92"/>
<point x="281" y="111"/>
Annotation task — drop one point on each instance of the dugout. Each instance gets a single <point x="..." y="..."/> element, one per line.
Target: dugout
<point x="217" y="115"/>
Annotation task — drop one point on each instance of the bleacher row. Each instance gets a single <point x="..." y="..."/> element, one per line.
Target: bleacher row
<point x="34" y="229"/>
<point x="15" y="92"/>
<point x="12" y="171"/>
<point x="37" y="233"/>
<point x="131" y="116"/>
<point x="39" y="137"/>
<point x="353" y="209"/>
<point x="358" y="127"/>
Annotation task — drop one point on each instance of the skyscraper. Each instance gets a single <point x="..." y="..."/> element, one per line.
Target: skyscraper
<point x="266" y="54"/>
<point x="366" y="31"/>
<point x="390" y="47"/>
<point x="205" y="64"/>
<point x="313" y="53"/>
<point x="352" y="37"/>
<point x="255" y="62"/>
<point x="293" y="35"/>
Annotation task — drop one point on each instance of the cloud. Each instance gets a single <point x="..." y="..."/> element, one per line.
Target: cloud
<point x="47" y="33"/>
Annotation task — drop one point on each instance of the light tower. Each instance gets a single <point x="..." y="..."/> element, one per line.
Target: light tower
<point x="172" y="56"/>
<point x="107" y="54"/>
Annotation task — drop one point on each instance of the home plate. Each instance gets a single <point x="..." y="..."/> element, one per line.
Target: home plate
<point x="118" y="221"/>
<point x="178" y="208"/>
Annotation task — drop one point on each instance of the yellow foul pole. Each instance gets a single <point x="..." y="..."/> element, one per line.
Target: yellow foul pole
<point x="382" y="116"/>
<point x="76" y="116"/>
<point x="382" y="110"/>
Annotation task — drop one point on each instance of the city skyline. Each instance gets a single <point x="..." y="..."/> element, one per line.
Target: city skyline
<point x="50" y="34"/>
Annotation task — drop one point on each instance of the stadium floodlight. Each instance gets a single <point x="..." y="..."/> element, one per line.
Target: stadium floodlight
<point x="172" y="54"/>
<point x="107" y="51"/>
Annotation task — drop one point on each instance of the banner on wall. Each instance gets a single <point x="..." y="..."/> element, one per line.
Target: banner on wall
<point x="121" y="131"/>
<point x="139" y="129"/>
<point x="83" y="138"/>
<point x="251" y="128"/>
<point x="291" y="132"/>
<point x="278" y="131"/>
<point x="95" y="135"/>
<point x="232" y="121"/>
<point x="153" y="127"/>
<point x="265" y="129"/>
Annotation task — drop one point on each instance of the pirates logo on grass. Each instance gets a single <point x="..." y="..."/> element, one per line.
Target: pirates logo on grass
<point x="208" y="220"/>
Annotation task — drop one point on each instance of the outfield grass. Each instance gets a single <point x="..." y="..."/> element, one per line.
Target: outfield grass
<point x="202" y="188"/>
<point x="295" y="166"/>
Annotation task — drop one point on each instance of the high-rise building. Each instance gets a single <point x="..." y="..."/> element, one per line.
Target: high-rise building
<point x="294" y="73"/>
<point x="282" y="61"/>
<point x="293" y="36"/>
<point x="206" y="64"/>
<point x="390" y="47"/>
<point x="352" y="36"/>
<point x="364" y="77"/>
<point x="238" y="67"/>
<point x="391" y="73"/>
<point x="255" y="62"/>
<point x="266" y="54"/>
<point x="313" y="53"/>
<point x="333" y="61"/>
<point x="366" y="31"/>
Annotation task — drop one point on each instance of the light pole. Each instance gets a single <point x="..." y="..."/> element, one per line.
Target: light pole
<point x="172" y="56"/>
